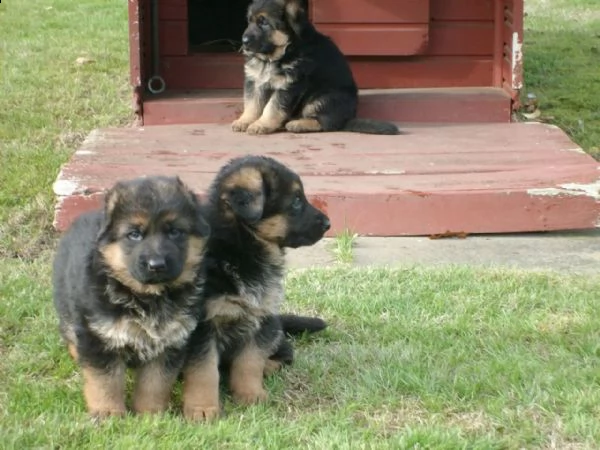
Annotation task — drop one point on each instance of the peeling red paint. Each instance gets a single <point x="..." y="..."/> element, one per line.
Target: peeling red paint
<point x="512" y="61"/>
<point x="492" y="178"/>
<point x="418" y="193"/>
<point x="135" y="43"/>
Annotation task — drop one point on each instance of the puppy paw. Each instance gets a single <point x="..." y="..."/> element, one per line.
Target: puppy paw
<point x="272" y="366"/>
<point x="201" y="413"/>
<point x="303" y="126"/>
<point x="98" y="415"/>
<point x="240" y="125"/>
<point x="250" y="397"/>
<point x="259" y="128"/>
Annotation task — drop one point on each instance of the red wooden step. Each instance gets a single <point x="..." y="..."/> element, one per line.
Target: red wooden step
<point x="481" y="178"/>
<point x="452" y="105"/>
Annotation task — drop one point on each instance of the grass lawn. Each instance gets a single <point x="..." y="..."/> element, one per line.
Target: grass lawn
<point x="414" y="358"/>
<point x="451" y="358"/>
<point x="562" y="65"/>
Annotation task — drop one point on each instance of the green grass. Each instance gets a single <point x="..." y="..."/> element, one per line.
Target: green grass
<point x="343" y="246"/>
<point x="562" y="56"/>
<point x="451" y="358"/>
<point x="48" y="103"/>
<point x="418" y="358"/>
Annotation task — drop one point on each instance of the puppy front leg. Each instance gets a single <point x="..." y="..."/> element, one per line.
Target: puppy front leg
<point x="273" y="117"/>
<point x="153" y="385"/>
<point x="246" y="376"/>
<point x="104" y="389"/>
<point x="255" y="100"/>
<point x="201" y="384"/>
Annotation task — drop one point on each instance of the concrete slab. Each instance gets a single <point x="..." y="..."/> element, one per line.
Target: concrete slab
<point x="569" y="252"/>
<point x="319" y="255"/>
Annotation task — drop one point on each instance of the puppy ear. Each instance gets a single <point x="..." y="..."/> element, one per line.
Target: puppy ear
<point x="246" y="204"/>
<point x="111" y="200"/>
<point x="296" y="16"/>
<point x="201" y="225"/>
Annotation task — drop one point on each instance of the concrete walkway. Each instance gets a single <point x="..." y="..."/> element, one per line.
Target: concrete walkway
<point x="574" y="252"/>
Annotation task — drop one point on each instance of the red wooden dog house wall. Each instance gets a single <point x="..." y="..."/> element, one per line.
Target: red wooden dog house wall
<point x="468" y="51"/>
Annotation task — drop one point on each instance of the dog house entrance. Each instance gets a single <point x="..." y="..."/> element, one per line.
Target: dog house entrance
<point x="216" y="26"/>
<point x="390" y="44"/>
<point x="199" y="40"/>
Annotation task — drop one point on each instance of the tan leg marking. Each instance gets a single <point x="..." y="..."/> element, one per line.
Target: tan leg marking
<point x="73" y="351"/>
<point x="201" y="388"/>
<point x="272" y="366"/>
<point x="303" y="126"/>
<point x="104" y="392"/>
<point x="252" y="111"/>
<point x="153" y="388"/>
<point x="246" y="378"/>
<point x="272" y="118"/>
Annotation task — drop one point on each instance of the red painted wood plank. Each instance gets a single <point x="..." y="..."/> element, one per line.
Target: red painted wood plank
<point x="225" y="71"/>
<point x="193" y="108"/>
<point x="377" y="39"/>
<point x="462" y="10"/>
<point x="135" y="43"/>
<point x="477" y="178"/>
<point x="407" y="106"/>
<point x="414" y="213"/>
<point x="498" y="42"/>
<point x="173" y="9"/>
<point x="513" y="35"/>
<point x="204" y="71"/>
<point x="452" y="105"/>
<point x="461" y="39"/>
<point x="146" y="30"/>
<point x="445" y="39"/>
<point x="173" y="35"/>
<point x="370" y="11"/>
<point x="422" y="72"/>
<point x="325" y="170"/>
<point x="498" y="153"/>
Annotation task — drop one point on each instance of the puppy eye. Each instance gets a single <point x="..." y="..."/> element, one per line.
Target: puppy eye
<point x="135" y="235"/>
<point x="174" y="233"/>
<point x="297" y="203"/>
<point x="261" y="21"/>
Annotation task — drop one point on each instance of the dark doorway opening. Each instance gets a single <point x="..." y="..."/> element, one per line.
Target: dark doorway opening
<point x="216" y="25"/>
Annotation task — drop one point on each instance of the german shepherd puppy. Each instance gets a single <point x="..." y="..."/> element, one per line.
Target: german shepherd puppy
<point x="256" y="208"/>
<point x="296" y="77"/>
<point x="128" y="286"/>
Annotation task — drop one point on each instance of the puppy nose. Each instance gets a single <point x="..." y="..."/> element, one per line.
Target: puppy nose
<point x="326" y="224"/>
<point x="157" y="264"/>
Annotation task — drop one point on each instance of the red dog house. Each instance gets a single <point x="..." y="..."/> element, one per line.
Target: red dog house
<point x="439" y="61"/>
<point x="469" y="51"/>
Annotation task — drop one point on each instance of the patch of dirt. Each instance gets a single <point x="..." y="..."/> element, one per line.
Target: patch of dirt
<point x="389" y="420"/>
<point x="71" y="139"/>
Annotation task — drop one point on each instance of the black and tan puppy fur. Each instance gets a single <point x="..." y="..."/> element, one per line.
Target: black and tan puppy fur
<point x="295" y="77"/>
<point x="128" y="283"/>
<point x="256" y="208"/>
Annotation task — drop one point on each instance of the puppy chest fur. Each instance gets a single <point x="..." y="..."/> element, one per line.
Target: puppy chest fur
<point x="267" y="75"/>
<point x="251" y="302"/>
<point x="145" y="336"/>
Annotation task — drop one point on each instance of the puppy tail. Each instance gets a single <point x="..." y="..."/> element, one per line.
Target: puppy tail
<point x="293" y="324"/>
<point x="371" y="126"/>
